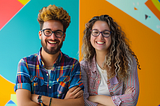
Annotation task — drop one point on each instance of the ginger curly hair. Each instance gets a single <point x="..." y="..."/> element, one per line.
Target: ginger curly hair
<point x="53" y="12"/>
<point x="120" y="56"/>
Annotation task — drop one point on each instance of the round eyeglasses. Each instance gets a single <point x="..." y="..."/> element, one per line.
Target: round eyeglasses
<point x="49" y="32"/>
<point x="105" y="33"/>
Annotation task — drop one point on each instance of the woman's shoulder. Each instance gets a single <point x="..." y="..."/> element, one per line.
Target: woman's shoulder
<point x="134" y="61"/>
<point x="83" y="62"/>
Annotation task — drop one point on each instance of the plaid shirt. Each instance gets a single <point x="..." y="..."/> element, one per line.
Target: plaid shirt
<point x="32" y="75"/>
<point x="91" y="80"/>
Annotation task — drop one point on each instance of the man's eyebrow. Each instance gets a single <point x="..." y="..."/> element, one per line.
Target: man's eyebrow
<point x="48" y="28"/>
<point x="51" y="29"/>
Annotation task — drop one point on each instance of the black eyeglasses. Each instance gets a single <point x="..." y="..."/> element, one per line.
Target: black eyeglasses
<point x="49" y="32"/>
<point x="105" y="33"/>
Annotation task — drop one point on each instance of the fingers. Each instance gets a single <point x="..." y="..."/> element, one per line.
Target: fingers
<point x="129" y="90"/>
<point x="73" y="88"/>
<point x="74" y="92"/>
<point x="77" y="92"/>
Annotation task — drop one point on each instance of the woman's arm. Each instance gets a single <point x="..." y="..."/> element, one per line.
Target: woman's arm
<point x="129" y="97"/>
<point x="102" y="99"/>
<point x="132" y="81"/>
<point x="85" y="83"/>
<point x="107" y="100"/>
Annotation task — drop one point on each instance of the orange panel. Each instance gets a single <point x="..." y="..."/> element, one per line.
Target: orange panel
<point x="144" y="42"/>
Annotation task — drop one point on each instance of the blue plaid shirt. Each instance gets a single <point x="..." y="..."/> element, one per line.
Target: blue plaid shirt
<point x="32" y="75"/>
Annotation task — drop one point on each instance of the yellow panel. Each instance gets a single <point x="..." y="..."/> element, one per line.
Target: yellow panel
<point x="24" y="2"/>
<point x="13" y="98"/>
<point x="5" y="91"/>
<point x="157" y="4"/>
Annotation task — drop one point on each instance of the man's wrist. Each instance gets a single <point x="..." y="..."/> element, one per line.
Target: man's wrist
<point x="40" y="102"/>
<point x="46" y="100"/>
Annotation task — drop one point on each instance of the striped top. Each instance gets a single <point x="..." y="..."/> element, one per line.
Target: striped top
<point x="32" y="75"/>
<point x="91" y="80"/>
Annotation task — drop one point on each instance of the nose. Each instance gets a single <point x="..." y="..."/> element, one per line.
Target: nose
<point x="100" y="36"/>
<point x="53" y="36"/>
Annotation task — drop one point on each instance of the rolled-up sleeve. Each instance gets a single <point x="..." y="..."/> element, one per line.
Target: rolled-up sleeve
<point x="23" y="77"/>
<point x="132" y="81"/>
<point x="76" y="76"/>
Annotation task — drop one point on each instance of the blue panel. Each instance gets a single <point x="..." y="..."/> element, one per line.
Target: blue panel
<point x="19" y="38"/>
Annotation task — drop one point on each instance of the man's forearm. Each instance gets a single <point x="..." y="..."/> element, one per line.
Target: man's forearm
<point x="24" y="98"/>
<point x="63" y="102"/>
<point x="27" y="103"/>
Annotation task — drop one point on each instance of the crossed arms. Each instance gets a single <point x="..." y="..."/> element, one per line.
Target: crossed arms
<point x="74" y="97"/>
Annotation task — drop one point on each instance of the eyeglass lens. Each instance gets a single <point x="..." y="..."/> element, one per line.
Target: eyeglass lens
<point x="96" y="32"/>
<point x="48" y="32"/>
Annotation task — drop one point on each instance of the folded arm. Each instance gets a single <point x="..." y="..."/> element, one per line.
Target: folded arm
<point x="129" y="97"/>
<point x="24" y="98"/>
<point x="73" y="97"/>
<point x="107" y="100"/>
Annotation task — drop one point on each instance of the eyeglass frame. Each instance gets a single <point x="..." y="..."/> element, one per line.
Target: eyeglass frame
<point x="101" y="33"/>
<point x="52" y="32"/>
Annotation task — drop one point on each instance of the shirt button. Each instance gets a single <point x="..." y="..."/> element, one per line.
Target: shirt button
<point x="111" y="93"/>
<point x="108" y="82"/>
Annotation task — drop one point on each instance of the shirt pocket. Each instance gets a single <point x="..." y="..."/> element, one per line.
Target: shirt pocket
<point x="63" y="85"/>
<point x="37" y="85"/>
<point x="117" y="88"/>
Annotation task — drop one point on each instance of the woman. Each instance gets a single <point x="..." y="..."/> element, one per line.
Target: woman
<point x="109" y="66"/>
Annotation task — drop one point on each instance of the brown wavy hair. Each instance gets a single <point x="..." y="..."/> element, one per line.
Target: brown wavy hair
<point x="119" y="57"/>
<point x="53" y="12"/>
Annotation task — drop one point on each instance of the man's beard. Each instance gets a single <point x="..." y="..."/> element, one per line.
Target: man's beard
<point x="53" y="50"/>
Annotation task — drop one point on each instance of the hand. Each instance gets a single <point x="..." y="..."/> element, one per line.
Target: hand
<point x="129" y="90"/>
<point x="74" y="92"/>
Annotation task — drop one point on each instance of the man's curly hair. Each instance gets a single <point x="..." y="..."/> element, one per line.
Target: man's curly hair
<point x="120" y="56"/>
<point x="53" y="12"/>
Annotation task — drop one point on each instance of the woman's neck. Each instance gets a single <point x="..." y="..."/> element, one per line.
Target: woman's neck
<point x="100" y="58"/>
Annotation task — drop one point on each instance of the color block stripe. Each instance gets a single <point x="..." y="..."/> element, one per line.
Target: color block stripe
<point x="8" y="9"/>
<point x="157" y="4"/>
<point x="151" y="6"/>
<point x="24" y="2"/>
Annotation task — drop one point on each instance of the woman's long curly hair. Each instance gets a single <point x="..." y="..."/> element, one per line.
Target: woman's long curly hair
<point x="119" y="58"/>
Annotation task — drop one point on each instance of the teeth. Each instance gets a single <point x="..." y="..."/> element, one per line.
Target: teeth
<point x="52" y="42"/>
<point x="100" y="42"/>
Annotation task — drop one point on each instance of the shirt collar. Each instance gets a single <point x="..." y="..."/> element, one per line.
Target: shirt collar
<point x="56" y="62"/>
<point x="93" y="64"/>
<point x="113" y="80"/>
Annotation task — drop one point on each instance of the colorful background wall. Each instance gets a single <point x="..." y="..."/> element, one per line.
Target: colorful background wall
<point x="140" y="20"/>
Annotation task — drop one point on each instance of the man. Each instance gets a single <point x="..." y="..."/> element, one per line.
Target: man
<point x="50" y="77"/>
